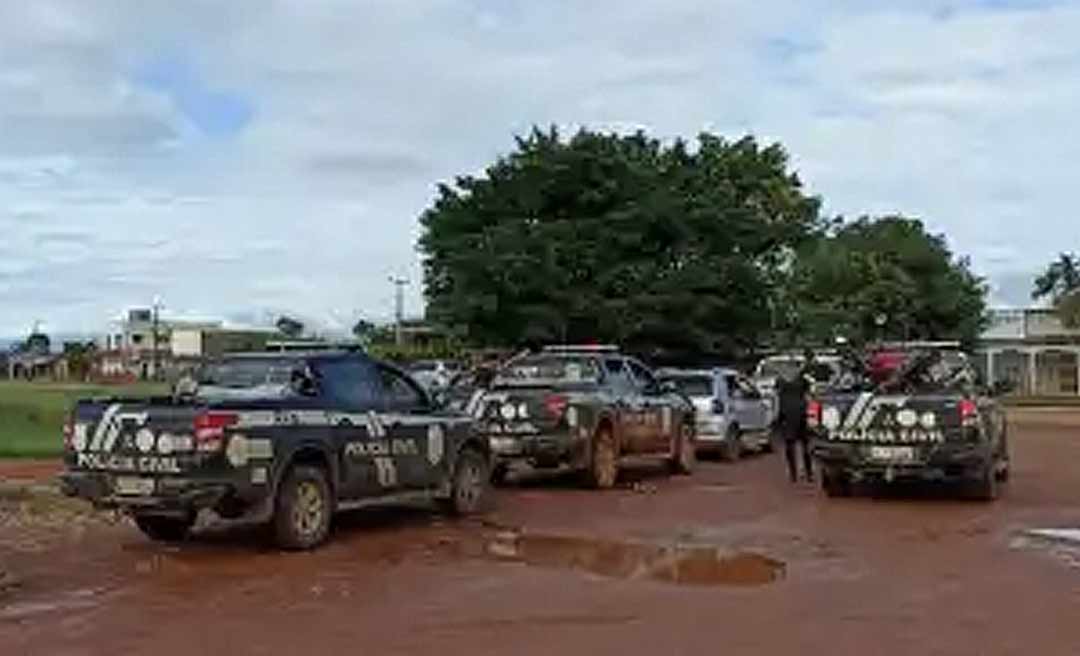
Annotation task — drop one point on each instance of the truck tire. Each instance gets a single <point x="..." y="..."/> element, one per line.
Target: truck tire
<point x="685" y="458"/>
<point x="303" y="509"/>
<point x="985" y="488"/>
<point x="603" y="461"/>
<point x="469" y="486"/>
<point x="732" y="450"/>
<point x="165" y="529"/>
<point x="499" y="473"/>
<point x="835" y="484"/>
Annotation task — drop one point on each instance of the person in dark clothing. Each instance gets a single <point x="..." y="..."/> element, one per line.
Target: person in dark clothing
<point x="793" y="395"/>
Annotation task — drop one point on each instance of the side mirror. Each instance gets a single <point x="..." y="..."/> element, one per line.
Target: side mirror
<point x="438" y="399"/>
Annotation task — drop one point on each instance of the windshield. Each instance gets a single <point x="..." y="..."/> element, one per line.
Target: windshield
<point x="567" y="369"/>
<point x="785" y="368"/>
<point x="692" y="385"/>
<point x="240" y="374"/>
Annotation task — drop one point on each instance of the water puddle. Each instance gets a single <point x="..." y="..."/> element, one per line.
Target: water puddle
<point x="680" y="564"/>
<point x="1062" y="543"/>
<point x="74" y="600"/>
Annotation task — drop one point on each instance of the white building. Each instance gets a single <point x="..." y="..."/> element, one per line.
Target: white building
<point x="1034" y="350"/>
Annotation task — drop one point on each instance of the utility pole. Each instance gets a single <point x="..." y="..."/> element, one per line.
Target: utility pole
<point x="399" y="307"/>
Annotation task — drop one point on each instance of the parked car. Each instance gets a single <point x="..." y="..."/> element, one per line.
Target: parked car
<point x="732" y="416"/>
<point x="772" y="369"/>
<point x="921" y="417"/>
<point x="584" y="407"/>
<point x="289" y="438"/>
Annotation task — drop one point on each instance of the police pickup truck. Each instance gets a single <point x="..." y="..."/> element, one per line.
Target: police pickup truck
<point x="923" y="417"/>
<point x="289" y="438"/>
<point x="584" y="407"/>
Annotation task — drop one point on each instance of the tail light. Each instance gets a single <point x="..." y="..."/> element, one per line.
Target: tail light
<point x="210" y="429"/>
<point x="813" y="414"/>
<point x="969" y="413"/>
<point x="69" y="433"/>
<point x="556" y="406"/>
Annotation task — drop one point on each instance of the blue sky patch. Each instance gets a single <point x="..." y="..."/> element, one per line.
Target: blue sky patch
<point x="216" y="113"/>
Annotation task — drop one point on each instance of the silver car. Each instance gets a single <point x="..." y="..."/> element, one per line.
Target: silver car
<point x="732" y="415"/>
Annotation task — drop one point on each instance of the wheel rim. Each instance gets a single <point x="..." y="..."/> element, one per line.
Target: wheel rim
<point x="687" y="454"/>
<point x="310" y="510"/>
<point x="605" y="461"/>
<point x="470" y="484"/>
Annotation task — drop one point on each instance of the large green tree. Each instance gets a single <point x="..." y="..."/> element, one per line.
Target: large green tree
<point x="884" y="277"/>
<point x="1060" y="283"/>
<point x="613" y="237"/>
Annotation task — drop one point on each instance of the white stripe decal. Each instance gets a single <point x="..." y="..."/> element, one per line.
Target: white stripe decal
<point x="871" y="412"/>
<point x="103" y="424"/>
<point x="856" y="410"/>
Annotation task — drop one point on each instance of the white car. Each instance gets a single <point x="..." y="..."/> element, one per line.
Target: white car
<point x="732" y="415"/>
<point x="775" y="367"/>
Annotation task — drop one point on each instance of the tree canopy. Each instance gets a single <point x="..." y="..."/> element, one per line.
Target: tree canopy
<point x="620" y="238"/>
<point x="1060" y="283"/>
<point x="885" y="277"/>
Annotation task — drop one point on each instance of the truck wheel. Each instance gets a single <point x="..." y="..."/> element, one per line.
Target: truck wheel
<point x="835" y="485"/>
<point x="685" y="452"/>
<point x="303" y="509"/>
<point x="469" y="487"/>
<point x="732" y="444"/>
<point x="165" y="529"/>
<point x="499" y="473"/>
<point x="985" y="488"/>
<point x="604" y="463"/>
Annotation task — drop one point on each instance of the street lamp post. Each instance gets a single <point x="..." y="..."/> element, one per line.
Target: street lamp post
<point x="155" y="321"/>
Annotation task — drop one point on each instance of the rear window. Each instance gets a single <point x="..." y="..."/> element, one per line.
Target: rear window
<point x="779" y="368"/>
<point x="240" y="374"/>
<point x="693" y="385"/>
<point x="550" y="368"/>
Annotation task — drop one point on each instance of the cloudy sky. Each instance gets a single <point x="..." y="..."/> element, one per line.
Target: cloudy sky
<point x="245" y="157"/>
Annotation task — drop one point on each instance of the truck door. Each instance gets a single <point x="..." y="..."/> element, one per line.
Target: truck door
<point x="629" y="402"/>
<point x="351" y="390"/>
<point x="417" y="437"/>
<point x="659" y="409"/>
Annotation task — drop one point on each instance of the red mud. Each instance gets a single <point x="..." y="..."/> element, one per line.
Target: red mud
<point x="556" y="569"/>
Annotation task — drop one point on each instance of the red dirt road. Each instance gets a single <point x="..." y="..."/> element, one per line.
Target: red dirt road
<point x="909" y="573"/>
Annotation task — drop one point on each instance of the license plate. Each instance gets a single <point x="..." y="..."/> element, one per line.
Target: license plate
<point x="133" y="487"/>
<point x="892" y="453"/>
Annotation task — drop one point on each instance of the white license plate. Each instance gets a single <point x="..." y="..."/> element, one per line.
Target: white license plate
<point x="892" y="453"/>
<point x="133" y="487"/>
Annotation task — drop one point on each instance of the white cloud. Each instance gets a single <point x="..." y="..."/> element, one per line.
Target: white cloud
<point x="963" y="117"/>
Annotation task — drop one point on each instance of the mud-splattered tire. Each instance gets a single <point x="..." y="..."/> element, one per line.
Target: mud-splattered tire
<point x="303" y="509"/>
<point x="499" y="473"/>
<point x="835" y="485"/>
<point x="732" y="449"/>
<point x="469" y="488"/>
<point x="604" y="460"/>
<point x="985" y="488"/>
<point x="685" y="458"/>
<point x="165" y="529"/>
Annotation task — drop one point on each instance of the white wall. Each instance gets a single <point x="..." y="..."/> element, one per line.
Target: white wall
<point x="187" y="342"/>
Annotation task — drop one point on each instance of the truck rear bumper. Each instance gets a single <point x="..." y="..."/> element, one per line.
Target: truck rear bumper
<point x="954" y="462"/>
<point x="543" y="449"/>
<point x="170" y="496"/>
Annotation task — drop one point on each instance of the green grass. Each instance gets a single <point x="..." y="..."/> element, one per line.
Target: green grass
<point x="32" y="414"/>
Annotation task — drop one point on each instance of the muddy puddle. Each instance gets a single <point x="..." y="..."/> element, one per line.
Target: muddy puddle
<point x="680" y="564"/>
<point x="1062" y="544"/>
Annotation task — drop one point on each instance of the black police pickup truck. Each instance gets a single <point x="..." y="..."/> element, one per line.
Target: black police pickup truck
<point x="924" y="419"/>
<point x="288" y="438"/>
<point x="584" y="407"/>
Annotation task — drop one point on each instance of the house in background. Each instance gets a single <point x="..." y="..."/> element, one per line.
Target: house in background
<point x="1032" y="349"/>
<point x="34" y="359"/>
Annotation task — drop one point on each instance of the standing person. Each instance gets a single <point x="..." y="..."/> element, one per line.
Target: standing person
<point x="794" y="390"/>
